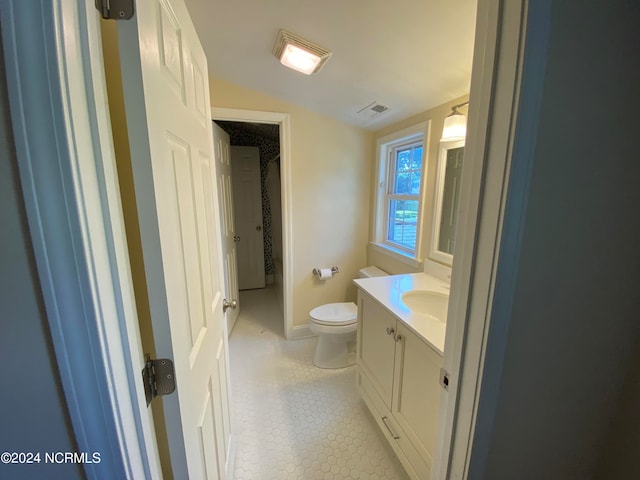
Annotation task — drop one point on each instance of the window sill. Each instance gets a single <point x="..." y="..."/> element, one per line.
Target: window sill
<point x="397" y="254"/>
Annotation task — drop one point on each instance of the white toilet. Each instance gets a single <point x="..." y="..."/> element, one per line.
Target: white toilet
<point x="336" y="325"/>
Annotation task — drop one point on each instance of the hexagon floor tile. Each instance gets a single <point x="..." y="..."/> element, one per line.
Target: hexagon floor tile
<point x="292" y="420"/>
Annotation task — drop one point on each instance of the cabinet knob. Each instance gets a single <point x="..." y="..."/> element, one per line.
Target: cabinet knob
<point x="391" y="331"/>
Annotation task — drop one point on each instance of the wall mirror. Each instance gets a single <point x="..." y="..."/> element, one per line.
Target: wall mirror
<point x="445" y="217"/>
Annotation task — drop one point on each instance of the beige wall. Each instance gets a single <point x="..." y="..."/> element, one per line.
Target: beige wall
<point x="436" y="116"/>
<point x="330" y="191"/>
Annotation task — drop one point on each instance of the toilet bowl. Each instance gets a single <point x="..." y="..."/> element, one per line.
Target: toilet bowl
<point x="336" y="325"/>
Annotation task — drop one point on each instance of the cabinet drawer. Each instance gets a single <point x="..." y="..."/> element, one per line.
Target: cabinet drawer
<point x="416" y="470"/>
<point x="419" y="467"/>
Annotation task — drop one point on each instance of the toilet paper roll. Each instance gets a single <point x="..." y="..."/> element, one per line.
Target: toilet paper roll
<point x="325" y="274"/>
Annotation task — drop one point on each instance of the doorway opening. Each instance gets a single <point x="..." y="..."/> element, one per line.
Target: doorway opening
<point x="257" y="212"/>
<point x="272" y="131"/>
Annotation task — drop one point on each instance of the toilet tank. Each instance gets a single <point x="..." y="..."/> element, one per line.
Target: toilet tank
<point x="371" y="271"/>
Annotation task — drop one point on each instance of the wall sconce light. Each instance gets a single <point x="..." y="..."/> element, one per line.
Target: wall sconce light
<point x="455" y="125"/>
<point x="299" y="54"/>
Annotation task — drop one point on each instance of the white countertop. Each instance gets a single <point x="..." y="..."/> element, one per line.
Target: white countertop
<point x="388" y="291"/>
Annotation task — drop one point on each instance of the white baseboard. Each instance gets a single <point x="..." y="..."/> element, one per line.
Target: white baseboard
<point x="301" y="331"/>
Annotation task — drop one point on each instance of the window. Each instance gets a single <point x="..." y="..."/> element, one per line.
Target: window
<point x="403" y="195"/>
<point x="401" y="159"/>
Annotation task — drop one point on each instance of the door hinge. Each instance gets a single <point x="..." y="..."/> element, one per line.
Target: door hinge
<point x="115" y="9"/>
<point x="159" y="377"/>
<point x="444" y="379"/>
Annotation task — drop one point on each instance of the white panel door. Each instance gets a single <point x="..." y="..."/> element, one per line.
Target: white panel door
<point x="222" y="155"/>
<point x="165" y="79"/>
<point x="247" y="201"/>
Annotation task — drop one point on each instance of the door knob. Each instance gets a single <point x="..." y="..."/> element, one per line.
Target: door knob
<point x="227" y="305"/>
<point x="258" y="228"/>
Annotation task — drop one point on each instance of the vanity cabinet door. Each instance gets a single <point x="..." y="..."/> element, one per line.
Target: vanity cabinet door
<point x="376" y="347"/>
<point x="417" y="392"/>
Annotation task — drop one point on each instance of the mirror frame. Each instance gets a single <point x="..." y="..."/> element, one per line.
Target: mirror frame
<point x="434" y="252"/>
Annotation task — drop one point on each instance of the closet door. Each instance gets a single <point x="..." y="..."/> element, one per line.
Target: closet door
<point x="247" y="202"/>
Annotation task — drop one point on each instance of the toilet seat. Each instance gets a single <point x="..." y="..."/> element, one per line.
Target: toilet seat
<point x="335" y="314"/>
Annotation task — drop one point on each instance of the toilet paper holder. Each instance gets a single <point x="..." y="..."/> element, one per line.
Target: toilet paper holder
<point x="334" y="270"/>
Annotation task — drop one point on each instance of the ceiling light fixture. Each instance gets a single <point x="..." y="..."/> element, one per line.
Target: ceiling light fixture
<point x="299" y="54"/>
<point x="455" y="125"/>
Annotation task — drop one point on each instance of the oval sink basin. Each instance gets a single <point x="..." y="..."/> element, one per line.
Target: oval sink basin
<point x="428" y="303"/>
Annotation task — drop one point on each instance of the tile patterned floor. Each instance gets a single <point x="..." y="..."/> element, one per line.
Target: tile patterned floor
<point x="291" y="419"/>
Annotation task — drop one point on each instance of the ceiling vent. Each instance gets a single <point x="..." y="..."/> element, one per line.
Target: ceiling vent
<point x="373" y="110"/>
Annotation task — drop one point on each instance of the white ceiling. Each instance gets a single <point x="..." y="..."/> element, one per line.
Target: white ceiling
<point x="409" y="55"/>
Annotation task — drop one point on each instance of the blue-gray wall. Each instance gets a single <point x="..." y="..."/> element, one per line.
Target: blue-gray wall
<point x="567" y="380"/>
<point x="33" y="411"/>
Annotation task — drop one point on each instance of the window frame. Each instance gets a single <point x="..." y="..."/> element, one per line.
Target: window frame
<point x="385" y="146"/>
<point x="389" y="196"/>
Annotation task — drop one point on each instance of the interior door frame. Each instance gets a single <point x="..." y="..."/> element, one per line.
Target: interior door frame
<point x="506" y="91"/>
<point x="284" y="122"/>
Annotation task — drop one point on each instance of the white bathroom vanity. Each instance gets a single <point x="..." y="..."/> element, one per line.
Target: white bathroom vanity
<point x="401" y="331"/>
